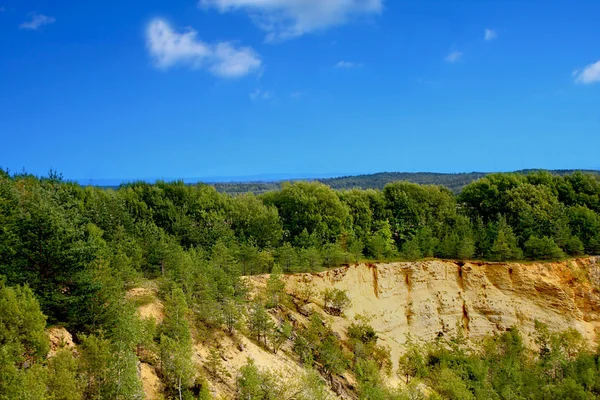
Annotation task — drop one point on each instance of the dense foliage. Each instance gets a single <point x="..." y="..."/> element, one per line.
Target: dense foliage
<point x="76" y="246"/>
<point x="68" y="254"/>
<point x="563" y="367"/>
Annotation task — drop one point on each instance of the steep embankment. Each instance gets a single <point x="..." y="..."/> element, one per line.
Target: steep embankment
<point x="424" y="299"/>
<point x="431" y="298"/>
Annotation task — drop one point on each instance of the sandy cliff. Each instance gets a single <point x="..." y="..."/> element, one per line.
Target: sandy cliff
<point x="431" y="298"/>
<point x="425" y="299"/>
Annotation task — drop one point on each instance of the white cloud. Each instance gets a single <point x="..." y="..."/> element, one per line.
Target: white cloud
<point x="259" y="94"/>
<point x="37" y="21"/>
<point x="454" y="56"/>
<point x="231" y="62"/>
<point x="347" y="64"/>
<point x="169" y="48"/>
<point x="284" y="19"/>
<point x="490" y="34"/>
<point x="589" y="74"/>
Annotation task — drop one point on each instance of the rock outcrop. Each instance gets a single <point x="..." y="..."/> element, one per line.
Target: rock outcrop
<point x="59" y="338"/>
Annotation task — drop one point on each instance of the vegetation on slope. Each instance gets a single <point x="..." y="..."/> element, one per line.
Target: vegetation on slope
<point x="68" y="254"/>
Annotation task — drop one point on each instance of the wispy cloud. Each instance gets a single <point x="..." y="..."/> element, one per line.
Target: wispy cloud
<point x="348" y="64"/>
<point x="169" y="48"/>
<point x="589" y="74"/>
<point x="259" y="94"/>
<point x="297" y="94"/>
<point x="285" y="19"/>
<point x="490" y="34"/>
<point x="37" y="21"/>
<point x="454" y="57"/>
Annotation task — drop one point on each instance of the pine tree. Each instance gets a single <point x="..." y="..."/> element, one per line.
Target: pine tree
<point x="287" y="258"/>
<point x="176" y="323"/>
<point x="95" y="357"/>
<point x="176" y="345"/>
<point x="280" y="335"/>
<point x="275" y="288"/>
<point x="505" y="246"/>
<point x="232" y="314"/>
<point x="63" y="381"/>
<point x="411" y="250"/>
<point x="176" y="365"/>
<point x="214" y="364"/>
<point x="543" y="248"/>
<point x="249" y="382"/>
<point x="466" y="248"/>
<point x="260" y="323"/>
<point x="22" y="342"/>
<point x="123" y="380"/>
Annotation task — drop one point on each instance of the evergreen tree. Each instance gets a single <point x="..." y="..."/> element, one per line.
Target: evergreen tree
<point x="287" y="258"/>
<point x="448" y="246"/>
<point x="466" y="248"/>
<point x="176" y="345"/>
<point x="311" y="387"/>
<point x="275" y="288"/>
<point x="176" y="365"/>
<point x="249" y="382"/>
<point x="176" y="323"/>
<point x="95" y="358"/>
<point x="411" y="250"/>
<point x="505" y="246"/>
<point x="280" y="335"/>
<point x="335" y="301"/>
<point x="260" y="323"/>
<point x="22" y="342"/>
<point x="310" y="259"/>
<point x="63" y="381"/>
<point x="427" y="242"/>
<point x="332" y="357"/>
<point x="123" y="380"/>
<point x="232" y="314"/>
<point x="214" y="364"/>
<point x="381" y="243"/>
<point x="248" y="258"/>
<point x="333" y="255"/>
<point x="543" y="249"/>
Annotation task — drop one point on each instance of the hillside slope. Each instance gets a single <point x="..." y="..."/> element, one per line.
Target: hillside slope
<point x="426" y="299"/>
<point x="432" y="298"/>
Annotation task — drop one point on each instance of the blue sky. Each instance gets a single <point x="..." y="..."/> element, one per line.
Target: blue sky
<point x="181" y="89"/>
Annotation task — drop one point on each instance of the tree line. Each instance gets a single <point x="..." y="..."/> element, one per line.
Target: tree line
<point x="453" y="181"/>
<point x="61" y="238"/>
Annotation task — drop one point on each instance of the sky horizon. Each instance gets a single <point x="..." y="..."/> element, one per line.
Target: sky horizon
<point x="240" y="88"/>
<point x="260" y="178"/>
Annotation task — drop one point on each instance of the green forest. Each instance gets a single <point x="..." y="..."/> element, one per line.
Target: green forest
<point x="68" y="254"/>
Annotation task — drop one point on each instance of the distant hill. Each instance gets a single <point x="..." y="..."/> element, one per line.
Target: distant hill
<point x="454" y="182"/>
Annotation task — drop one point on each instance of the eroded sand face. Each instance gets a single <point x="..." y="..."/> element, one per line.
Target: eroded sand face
<point x="424" y="299"/>
<point x="432" y="298"/>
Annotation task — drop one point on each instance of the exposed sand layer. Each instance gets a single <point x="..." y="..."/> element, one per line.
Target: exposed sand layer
<point x="150" y="382"/>
<point x="425" y="299"/>
<point x="152" y="308"/>
<point x="432" y="298"/>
